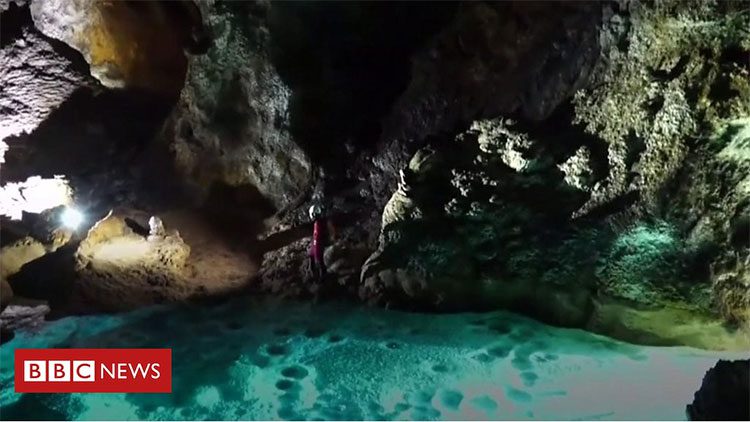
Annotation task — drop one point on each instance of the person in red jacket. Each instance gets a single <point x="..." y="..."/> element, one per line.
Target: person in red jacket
<point x="323" y="230"/>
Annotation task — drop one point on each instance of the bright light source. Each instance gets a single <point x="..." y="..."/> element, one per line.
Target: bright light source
<point x="71" y="218"/>
<point x="34" y="195"/>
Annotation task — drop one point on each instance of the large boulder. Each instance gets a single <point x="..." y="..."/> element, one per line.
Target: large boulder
<point x="231" y="124"/>
<point x="118" y="268"/>
<point x="724" y="394"/>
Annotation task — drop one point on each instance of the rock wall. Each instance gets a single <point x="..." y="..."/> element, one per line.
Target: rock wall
<point x="127" y="44"/>
<point x="68" y="140"/>
<point x="631" y="201"/>
<point x="36" y="77"/>
<point x="481" y="223"/>
<point x="493" y="59"/>
<point x="673" y="74"/>
<point x="231" y="123"/>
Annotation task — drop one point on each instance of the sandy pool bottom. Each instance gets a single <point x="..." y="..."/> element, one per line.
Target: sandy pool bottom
<point x="252" y="359"/>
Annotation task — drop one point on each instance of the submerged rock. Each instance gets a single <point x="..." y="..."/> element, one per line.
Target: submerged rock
<point x="341" y="361"/>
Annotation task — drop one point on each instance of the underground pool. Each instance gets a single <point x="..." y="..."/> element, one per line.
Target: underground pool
<point x="261" y="359"/>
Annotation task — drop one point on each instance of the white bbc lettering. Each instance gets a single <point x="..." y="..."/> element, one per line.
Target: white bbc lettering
<point x="35" y="370"/>
<point x="109" y="371"/>
<point x="58" y="371"/>
<point x="83" y="370"/>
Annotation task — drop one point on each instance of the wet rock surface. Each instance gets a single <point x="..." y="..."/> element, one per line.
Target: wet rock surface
<point x="28" y="315"/>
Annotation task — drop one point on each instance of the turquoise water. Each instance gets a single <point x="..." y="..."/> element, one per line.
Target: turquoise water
<point x="247" y="359"/>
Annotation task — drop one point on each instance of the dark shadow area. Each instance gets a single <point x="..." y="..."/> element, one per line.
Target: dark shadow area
<point x="346" y="63"/>
<point x="48" y="278"/>
<point x="237" y="212"/>
<point x="12" y="23"/>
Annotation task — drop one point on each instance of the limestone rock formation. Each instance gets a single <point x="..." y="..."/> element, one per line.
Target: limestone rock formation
<point x="584" y="163"/>
<point x="489" y="222"/>
<point x="491" y="60"/>
<point x="119" y="269"/>
<point x="36" y="76"/>
<point x="713" y="205"/>
<point x="460" y="223"/>
<point x="136" y="45"/>
<point x="671" y="100"/>
<point x="96" y="143"/>
<point x="625" y="214"/>
<point x="494" y="59"/>
<point x="231" y="124"/>
<point x="724" y="394"/>
<point x="669" y="75"/>
<point x="15" y="255"/>
<point x="52" y="96"/>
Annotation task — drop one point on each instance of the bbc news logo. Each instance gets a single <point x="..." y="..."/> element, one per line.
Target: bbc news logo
<point x="93" y="370"/>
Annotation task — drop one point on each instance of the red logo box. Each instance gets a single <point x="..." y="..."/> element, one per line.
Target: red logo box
<point x="93" y="370"/>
